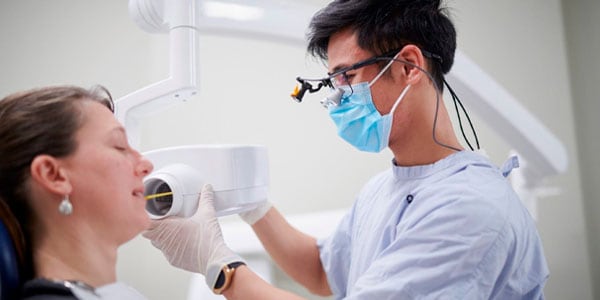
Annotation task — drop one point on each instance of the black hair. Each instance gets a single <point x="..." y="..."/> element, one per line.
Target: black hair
<point x="384" y="25"/>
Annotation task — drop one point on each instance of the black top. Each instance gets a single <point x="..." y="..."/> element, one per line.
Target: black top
<point x="43" y="289"/>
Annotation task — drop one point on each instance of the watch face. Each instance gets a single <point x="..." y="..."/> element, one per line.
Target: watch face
<point x="224" y="278"/>
<point x="220" y="280"/>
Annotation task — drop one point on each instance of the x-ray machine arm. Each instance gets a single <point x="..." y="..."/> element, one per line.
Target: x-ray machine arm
<point x="178" y="20"/>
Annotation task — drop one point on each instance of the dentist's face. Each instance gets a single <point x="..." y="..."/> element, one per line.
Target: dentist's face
<point x="343" y="51"/>
<point x="106" y="176"/>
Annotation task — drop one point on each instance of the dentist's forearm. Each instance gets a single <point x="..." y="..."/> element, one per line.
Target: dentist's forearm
<point x="247" y="285"/>
<point x="293" y="251"/>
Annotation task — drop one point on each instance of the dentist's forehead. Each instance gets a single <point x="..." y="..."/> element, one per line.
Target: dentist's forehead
<point x="343" y="51"/>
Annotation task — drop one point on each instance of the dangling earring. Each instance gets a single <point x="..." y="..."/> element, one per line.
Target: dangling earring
<point x="65" y="207"/>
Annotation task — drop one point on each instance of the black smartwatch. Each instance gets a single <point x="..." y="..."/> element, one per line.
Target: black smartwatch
<point x="225" y="277"/>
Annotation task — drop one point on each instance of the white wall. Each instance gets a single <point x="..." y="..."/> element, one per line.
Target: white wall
<point x="583" y="40"/>
<point x="522" y="44"/>
<point x="244" y="88"/>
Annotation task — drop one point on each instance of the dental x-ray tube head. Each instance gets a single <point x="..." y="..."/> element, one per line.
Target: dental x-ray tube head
<point x="239" y="175"/>
<point x="174" y="190"/>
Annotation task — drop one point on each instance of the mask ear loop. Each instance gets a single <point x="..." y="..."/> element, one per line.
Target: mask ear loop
<point x="399" y="99"/>
<point x="389" y="64"/>
<point x="437" y="101"/>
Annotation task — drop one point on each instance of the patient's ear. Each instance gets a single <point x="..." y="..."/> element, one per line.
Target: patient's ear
<point x="49" y="174"/>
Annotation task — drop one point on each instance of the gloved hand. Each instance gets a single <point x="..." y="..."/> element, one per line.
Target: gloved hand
<point x="195" y="244"/>
<point x="252" y="216"/>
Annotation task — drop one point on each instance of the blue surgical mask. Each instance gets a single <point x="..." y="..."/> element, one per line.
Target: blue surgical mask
<point x="358" y="121"/>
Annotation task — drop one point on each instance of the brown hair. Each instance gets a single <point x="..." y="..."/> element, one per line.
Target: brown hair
<point x="34" y="122"/>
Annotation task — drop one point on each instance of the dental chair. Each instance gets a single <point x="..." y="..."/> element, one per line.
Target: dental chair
<point x="9" y="269"/>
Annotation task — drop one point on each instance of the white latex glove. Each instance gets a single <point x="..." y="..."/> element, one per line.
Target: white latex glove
<point x="195" y="244"/>
<point x="252" y="216"/>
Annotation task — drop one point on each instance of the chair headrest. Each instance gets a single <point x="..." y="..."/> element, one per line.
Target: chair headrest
<point x="9" y="267"/>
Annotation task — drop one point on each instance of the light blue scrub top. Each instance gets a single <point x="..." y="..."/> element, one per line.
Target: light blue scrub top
<point x="454" y="229"/>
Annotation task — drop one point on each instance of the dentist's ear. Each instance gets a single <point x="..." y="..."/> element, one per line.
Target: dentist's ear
<point x="47" y="172"/>
<point x="413" y="55"/>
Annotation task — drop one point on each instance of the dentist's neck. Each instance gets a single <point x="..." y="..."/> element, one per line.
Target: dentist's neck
<point x="412" y="130"/>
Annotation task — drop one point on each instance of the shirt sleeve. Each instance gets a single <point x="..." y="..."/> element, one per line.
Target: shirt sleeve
<point x="334" y="252"/>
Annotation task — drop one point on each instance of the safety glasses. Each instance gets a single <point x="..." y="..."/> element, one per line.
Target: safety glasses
<point x="335" y="80"/>
<point x="339" y="79"/>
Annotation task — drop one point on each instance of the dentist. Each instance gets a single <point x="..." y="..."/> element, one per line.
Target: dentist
<point x="441" y="222"/>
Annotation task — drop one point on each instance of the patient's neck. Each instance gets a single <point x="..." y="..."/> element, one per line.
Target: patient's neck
<point x="75" y="256"/>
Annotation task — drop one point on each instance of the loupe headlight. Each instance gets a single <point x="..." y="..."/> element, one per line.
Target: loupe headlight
<point x="337" y="83"/>
<point x="309" y="85"/>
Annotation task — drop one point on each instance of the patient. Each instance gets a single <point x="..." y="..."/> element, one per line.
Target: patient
<point x="71" y="191"/>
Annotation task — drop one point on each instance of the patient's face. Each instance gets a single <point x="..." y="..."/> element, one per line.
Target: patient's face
<point x="106" y="175"/>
